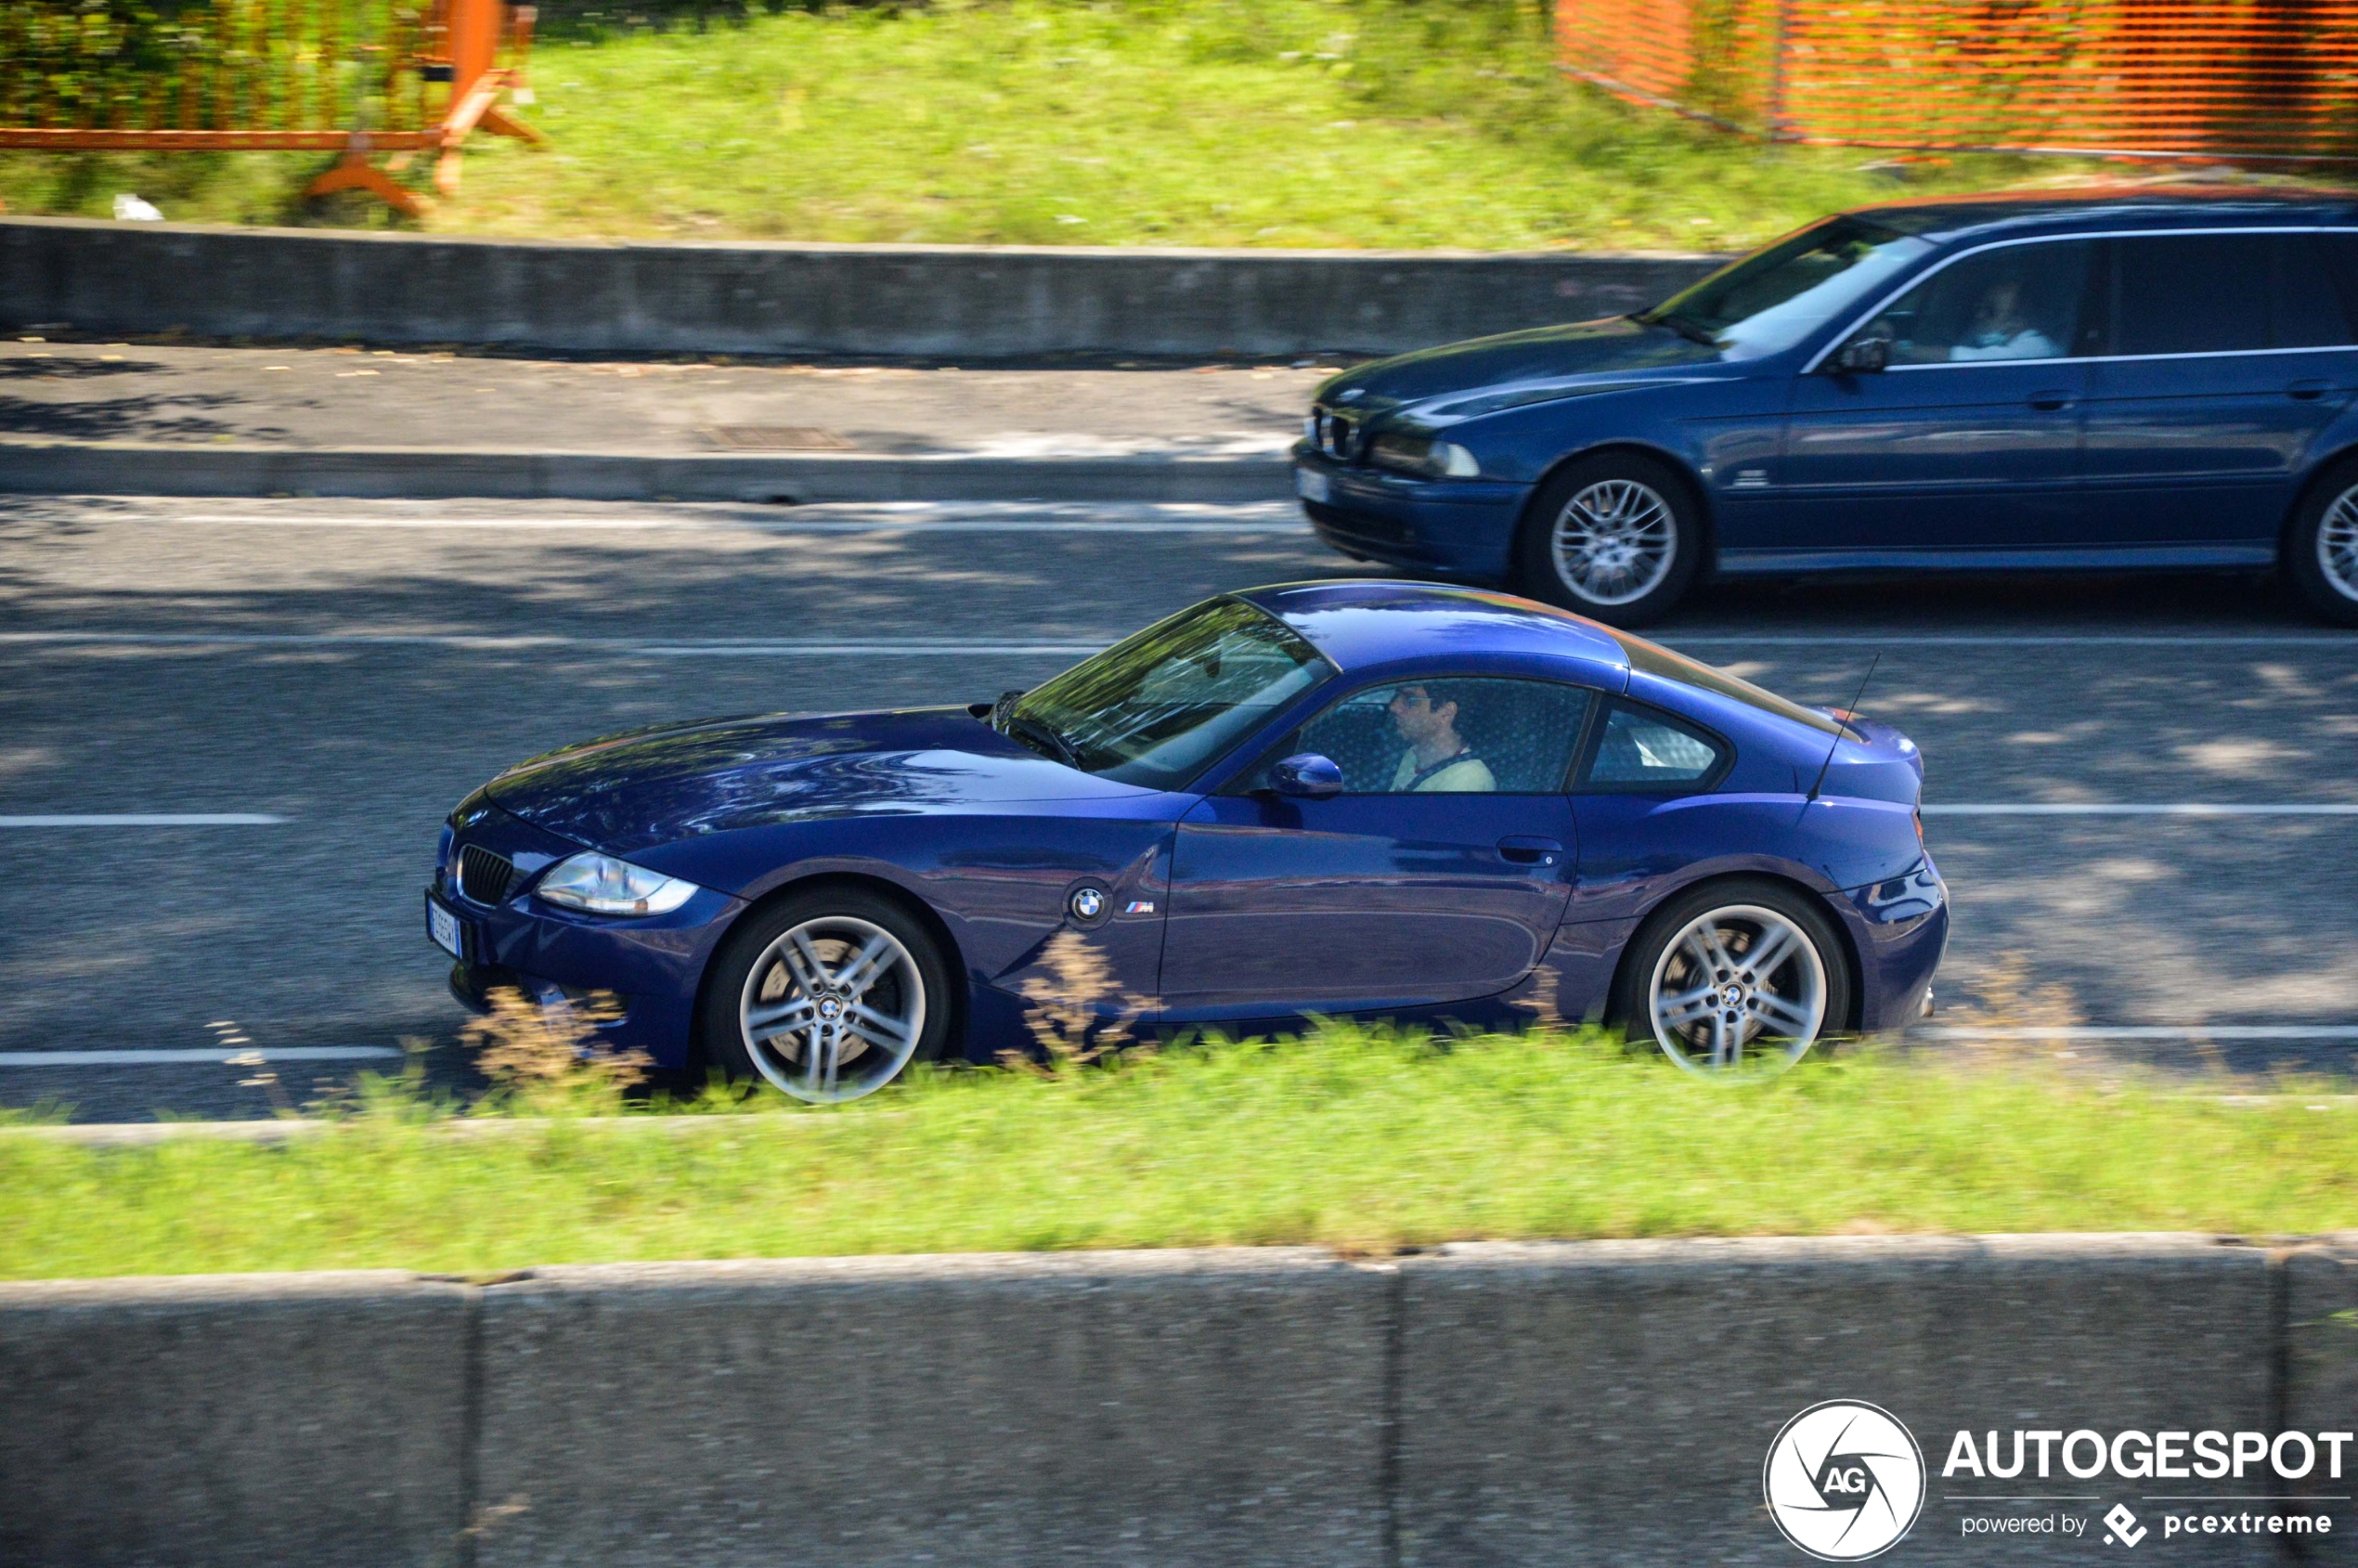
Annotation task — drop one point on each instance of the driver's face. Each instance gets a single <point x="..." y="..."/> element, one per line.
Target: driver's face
<point x="1412" y="713"/>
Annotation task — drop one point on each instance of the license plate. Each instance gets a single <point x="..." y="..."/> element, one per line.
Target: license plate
<point x="1310" y="484"/>
<point x="444" y="927"/>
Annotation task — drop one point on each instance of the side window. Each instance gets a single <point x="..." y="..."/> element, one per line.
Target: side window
<point x="1641" y="749"/>
<point x="2015" y="302"/>
<point x="2342" y="259"/>
<point x="1471" y="736"/>
<point x="2307" y="310"/>
<point x="2191" y="293"/>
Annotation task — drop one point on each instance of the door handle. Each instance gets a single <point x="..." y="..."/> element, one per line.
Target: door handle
<point x="1516" y="850"/>
<point x="2047" y="402"/>
<point x="2308" y="392"/>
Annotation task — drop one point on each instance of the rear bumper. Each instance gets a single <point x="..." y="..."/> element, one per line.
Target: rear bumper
<point x="1459" y="528"/>
<point x="1901" y="928"/>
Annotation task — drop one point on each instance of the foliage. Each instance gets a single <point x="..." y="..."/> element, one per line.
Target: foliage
<point x="1356" y="1138"/>
<point x="1316" y="123"/>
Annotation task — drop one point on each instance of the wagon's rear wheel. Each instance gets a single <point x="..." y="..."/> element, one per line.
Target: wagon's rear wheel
<point x="828" y="995"/>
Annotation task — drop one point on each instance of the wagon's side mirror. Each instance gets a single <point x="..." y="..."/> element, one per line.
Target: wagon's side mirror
<point x="1864" y="357"/>
<point x="1306" y="776"/>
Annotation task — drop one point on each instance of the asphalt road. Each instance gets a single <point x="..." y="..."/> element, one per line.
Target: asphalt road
<point x="356" y="667"/>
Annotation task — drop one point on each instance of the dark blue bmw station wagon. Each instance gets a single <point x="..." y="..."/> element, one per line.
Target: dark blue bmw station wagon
<point x="2106" y="381"/>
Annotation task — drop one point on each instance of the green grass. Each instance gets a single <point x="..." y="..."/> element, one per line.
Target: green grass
<point x="1285" y="123"/>
<point x="1353" y="1139"/>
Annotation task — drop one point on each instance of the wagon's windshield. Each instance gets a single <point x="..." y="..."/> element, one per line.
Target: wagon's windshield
<point x="1155" y="709"/>
<point x="1772" y="299"/>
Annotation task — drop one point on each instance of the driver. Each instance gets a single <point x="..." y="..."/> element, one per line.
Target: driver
<point x="2002" y="329"/>
<point x="1437" y="759"/>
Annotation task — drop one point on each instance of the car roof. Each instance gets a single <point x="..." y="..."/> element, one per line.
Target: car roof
<point x="1359" y="623"/>
<point x="2093" y="209"/>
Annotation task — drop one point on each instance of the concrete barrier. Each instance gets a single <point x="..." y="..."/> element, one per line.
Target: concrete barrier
<point x="1599" y="1403"/>
<point x="260" y="1418"/>
<point x="1613" y="1402"/>
<point x="962" y="301"/>
<point x="2321" y="1362"/>
<point x="1160" y="1408"/>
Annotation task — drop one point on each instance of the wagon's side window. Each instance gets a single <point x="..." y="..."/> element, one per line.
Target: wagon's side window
<point x="1466" y="735"/>
<point x="1640" y="749"/>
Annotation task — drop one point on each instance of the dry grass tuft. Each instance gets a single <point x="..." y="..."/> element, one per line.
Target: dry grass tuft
<point x="549" y="1058"/>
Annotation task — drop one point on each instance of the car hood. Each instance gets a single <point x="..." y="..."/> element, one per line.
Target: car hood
<point x="627" y="792"/>
<point x="1586" y="350"/>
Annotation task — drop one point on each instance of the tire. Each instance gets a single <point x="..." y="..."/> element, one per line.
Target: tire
<point x="826" y="995"/>
<point x="1642" y="524"/>
<point x="2321" y="547"/>
<point x="1807" y="989"/>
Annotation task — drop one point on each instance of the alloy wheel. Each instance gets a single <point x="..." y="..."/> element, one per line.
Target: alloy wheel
<point x="1738" y="988"/>
<point x="2338" y="544"/>
<point x="1615" y="542"/>
<point x="833" y="1009"/>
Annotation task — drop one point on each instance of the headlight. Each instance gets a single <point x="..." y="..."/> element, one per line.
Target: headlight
<point x="1421" y="455"/>
<point x="602" y="885"/>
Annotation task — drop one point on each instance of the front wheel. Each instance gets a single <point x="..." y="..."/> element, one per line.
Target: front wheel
<point x="2321" y="550"/>
<point x="1617" y="537"/>
<point x="828" y="995"/>
<point x="1736" y="977"/>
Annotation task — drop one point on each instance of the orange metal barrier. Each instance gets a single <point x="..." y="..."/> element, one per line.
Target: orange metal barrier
<point x="359" y="76"/>
<point x="2206" y="79"/>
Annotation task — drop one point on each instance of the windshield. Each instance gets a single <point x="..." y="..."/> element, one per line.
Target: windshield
<point x="1153" y="708"/>
<point x="1773" y="299"/>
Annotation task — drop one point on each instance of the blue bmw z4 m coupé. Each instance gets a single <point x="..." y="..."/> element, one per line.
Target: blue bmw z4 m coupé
<point x="1381" y="799"/>
<point x="2013" y="383"/>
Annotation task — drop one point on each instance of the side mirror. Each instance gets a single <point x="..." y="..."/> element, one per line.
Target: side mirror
<point x="1307" y="776"/>
<point x="1864" y="357"/>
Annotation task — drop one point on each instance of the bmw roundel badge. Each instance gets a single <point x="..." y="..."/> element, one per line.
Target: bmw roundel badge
<point x="1087" y="904"/>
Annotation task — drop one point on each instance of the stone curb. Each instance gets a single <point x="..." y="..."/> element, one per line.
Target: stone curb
<point x="967" y="302"/>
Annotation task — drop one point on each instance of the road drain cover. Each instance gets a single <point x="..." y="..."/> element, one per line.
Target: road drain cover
<point x="778" y="437"/>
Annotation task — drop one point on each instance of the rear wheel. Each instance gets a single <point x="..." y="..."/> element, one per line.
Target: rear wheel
<point x="1734" y="977"/>
<point x="1616" y="537"/>
<point x="827" y="995"/>
<point x="2321" y="549"/>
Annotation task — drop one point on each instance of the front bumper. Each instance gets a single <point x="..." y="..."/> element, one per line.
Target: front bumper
<point x="1459" y="528"/>
<point x="558" y="958"/>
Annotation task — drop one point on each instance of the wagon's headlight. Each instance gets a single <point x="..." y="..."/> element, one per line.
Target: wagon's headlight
<point x="1421" y="455"/>
<point x="602" y="885"/>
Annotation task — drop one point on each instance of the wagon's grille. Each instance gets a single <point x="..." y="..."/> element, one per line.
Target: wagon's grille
<point x="485" y="878"/>
<point x="1337" y="436"/>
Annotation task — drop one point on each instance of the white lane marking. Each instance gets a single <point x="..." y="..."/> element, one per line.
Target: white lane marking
<point x="677" y="646"/>
<point x="201" y="1055"/>
<point x="1175" y="517"/>
<point x="780" y="526"/>
<point x="2142" y="1031"/>
<point x="145" y="819"/>
<point x="2175" y="808"/>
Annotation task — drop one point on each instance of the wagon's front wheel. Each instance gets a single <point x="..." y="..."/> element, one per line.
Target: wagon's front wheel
<point x="828" y="995"/>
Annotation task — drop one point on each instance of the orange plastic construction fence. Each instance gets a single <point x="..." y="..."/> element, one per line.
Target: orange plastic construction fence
<point x="359" y="76"/>
<point x="2213" y="79"/>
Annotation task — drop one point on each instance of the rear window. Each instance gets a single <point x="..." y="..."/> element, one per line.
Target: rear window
<point x="1656" y="660"/>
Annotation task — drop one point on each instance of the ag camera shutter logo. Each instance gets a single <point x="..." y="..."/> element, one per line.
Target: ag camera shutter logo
<point x="1843" y="1481"/>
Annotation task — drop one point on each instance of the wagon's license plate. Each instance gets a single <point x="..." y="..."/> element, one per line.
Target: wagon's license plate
<point x="1310" y="484"/>
<point x="444" y="927"/>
